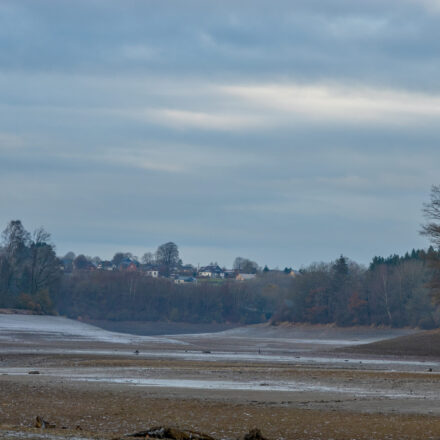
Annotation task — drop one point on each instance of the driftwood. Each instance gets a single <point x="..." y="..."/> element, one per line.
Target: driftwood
<point x="170" y="434"/>
<point x="164" y="433"/>
<point x="43" y="424"/>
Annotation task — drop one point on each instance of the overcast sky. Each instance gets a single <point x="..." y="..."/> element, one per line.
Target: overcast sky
<point x="286" y="132"/>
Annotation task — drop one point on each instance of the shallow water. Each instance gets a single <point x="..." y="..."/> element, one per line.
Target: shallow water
<point x="287" y="386"/>
<point x="130" y="376"/>
<point x="136" y="376"/>
<point x="294" y="359"/>
<point x="36" y="436"/>
<point x="189" y="355"/>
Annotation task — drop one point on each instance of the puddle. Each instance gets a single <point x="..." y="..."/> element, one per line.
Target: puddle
<point x="288" y="386"/>
<point x="36" y="436"/>
<point x="219" y="356"/>
<point x="294" y="341"/>
<point x="130" y="376"/>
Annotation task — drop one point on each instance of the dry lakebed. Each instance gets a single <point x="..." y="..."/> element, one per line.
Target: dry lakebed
<point x="289" y="381"/>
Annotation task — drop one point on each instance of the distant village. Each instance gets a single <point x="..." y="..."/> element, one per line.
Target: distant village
<point x="177" y="272"/>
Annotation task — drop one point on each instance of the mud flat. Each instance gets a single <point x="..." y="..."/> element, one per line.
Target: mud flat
<point x="292" y="383"/>
<point x="424" y="345"/>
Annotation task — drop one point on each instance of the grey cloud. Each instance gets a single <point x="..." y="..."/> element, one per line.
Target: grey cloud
<point x="380" y="42"/>
<point x="117" y="130"/>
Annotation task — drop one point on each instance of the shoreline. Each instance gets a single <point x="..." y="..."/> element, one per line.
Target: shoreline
<point x="289" y="382"/>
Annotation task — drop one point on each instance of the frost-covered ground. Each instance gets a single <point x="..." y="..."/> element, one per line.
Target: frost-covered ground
<point x="22" y="328"/>
<point x="260" y="343"/>
<point x="296" y="345"/>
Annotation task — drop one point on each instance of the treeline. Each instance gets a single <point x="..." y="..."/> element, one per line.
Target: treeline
<point x="29" y="269"/>
<point x="392" y="291"/>
<point x="132" y="296"/>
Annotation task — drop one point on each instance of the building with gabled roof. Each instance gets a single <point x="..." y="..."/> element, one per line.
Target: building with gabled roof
<point x="211" y="271"/>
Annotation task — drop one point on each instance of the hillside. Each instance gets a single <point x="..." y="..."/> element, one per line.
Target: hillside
<point x="425" y="344"/>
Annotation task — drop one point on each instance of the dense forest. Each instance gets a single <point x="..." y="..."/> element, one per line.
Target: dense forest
<point x="393" y="291"/>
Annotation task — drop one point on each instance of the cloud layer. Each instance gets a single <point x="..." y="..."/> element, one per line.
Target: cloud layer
<point x="286" y="133"/>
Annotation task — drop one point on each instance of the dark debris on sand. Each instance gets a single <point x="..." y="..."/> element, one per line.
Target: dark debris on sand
<point x="177" y="434"/>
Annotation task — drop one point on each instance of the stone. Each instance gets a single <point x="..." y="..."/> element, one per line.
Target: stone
<point x="254" y="434"/>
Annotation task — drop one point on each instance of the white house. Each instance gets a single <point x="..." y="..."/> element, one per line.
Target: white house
<point x="211" y="271"/>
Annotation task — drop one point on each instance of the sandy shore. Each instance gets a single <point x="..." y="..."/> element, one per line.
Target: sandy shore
<point x="286" y="384"/>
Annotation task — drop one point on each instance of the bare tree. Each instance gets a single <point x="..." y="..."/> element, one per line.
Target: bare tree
<point x="119" y="256"/>
<point x="148" y="258"/>
<point x="167" y="255"/>
<point x="431" y="229"/>
<point x="15" y="240"/>
<point x="431" y="211"/>
<point x="245" y="265"/>
<point x="81" y="262"/>
<point x="15" y="249"/>
<point x="69" y="256"/>
<point x="44" y="265"/>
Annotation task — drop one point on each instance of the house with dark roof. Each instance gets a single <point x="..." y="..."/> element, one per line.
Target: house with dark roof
<point x="150" y="270"/>
<point x="211" y="271"/>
